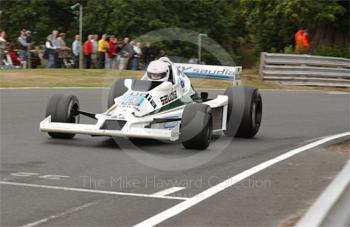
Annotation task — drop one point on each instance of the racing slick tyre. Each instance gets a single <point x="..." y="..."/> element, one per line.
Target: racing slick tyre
<point x="118" y="88"/>
<point x="196" y="126"/>
<point x="63" y="108"/>
<point x="244" y="111"/>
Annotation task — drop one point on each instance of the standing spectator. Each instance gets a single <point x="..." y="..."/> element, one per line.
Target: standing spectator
<point x="111" y="55"/>
<point x="88" y="51"/>
<point x="94" y="43"/>
<point x="193" y="60"/>
<point x="305" y="41"/>
<point x="298" y="39"/>
<point x="102" y="49"/>
<point x="162" y="53"/>
<point x="76" y="51"/>
<point x="147" y="54"/>
<point x="62" y="51"/>
<point x="50" y="51"/>
<point x="3" y="44"/>
<point x="23" y="46"/>
<point x="57" y="44"/>
<point x="136" y="56"/>
<point x="126" y="53"/>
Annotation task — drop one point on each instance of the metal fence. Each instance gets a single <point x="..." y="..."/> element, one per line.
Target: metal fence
<point x="293" y="69"/>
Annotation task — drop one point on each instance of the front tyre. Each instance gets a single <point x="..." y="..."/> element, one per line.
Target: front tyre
<point x="64" y="109"/>
<point x="196" y="126"/>
<point x="244" y="111"/>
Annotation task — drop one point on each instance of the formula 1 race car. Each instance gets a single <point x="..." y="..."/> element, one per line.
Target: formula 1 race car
<point x="164" y="110"/>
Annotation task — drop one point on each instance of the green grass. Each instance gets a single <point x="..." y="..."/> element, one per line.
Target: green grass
<point x="104" y="78"/>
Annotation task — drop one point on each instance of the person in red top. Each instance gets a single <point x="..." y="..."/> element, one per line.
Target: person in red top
<point x="112" y="52"/>
<point x="14" y="58"/>
<point x="88" y="52"/>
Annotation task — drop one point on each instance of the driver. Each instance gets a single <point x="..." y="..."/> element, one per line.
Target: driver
<point x="158" y="70"/>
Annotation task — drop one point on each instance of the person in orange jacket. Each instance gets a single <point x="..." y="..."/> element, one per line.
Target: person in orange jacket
<point x="305" y="41"/>
<point x="298" y="38"/>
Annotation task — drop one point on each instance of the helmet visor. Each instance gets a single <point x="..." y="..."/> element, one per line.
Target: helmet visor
<point x="156" y="76"/>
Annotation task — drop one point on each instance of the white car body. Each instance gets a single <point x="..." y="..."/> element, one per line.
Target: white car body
<point x="148" y="114"/>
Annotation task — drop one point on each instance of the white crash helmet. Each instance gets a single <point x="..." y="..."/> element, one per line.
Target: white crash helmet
<point x="158" y="70"/>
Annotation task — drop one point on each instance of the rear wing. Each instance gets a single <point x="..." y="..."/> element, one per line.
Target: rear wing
<point x="211" y="71"/>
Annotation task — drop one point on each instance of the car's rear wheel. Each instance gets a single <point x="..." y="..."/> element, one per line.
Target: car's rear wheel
<point x="196" y="126"/>
<point x="65" y="109"/>
<point x="118" y="89"/>
<point x="244" y="111"/>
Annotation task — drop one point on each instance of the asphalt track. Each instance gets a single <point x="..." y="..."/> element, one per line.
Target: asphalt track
<point x="91" y="181"/>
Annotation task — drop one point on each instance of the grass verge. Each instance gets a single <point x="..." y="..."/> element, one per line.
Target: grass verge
<point x="104" y="78"/>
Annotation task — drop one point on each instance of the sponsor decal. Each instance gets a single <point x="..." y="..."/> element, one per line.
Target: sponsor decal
<point x="168" y="98"/>
<point x="132" y="100"/>
<point x="150" y="100"/>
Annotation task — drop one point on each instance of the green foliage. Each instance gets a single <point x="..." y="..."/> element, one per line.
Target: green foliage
<point x="260" y="25"/>
<point x="335" y="51"/>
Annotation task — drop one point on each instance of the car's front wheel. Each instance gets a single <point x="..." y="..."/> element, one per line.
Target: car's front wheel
<point x="244" y="111"/>
<point x="65" y="109"/>
<point x="196" y="126"/>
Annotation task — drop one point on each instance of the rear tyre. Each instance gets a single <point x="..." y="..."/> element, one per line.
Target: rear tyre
<point x="244" y="111"/>
<point x="196" y="126"/>
<point x="118" y="89"/>
<point x="65" y="109"/>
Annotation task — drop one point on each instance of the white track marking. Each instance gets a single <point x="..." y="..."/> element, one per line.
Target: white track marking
<point x="177" y="209"/>
<point x="91" y="190"/>
<point x="61" y="215"/>
<point x="24" y="174"/>
<point x="169" y="191"/>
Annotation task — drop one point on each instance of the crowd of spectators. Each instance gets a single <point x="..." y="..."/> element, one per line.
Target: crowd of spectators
<point x="99" y="52"/>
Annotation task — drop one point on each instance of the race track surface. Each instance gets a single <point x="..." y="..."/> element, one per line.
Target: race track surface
<point x="91" y="181"/>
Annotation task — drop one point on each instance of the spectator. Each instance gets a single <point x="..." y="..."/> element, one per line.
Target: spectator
<point x="56" y="42"/>
<point x="147" y="54"/>
<point x="23" y="46"/>
<point x="62" y="51"/>
<point x="298" y="39"/>
<point x="305" y="41"/>
<point x="111" y="53"/>
<point x="50" y="52"/>
<point x="15" y="60"/>
<point x="102" y="49"/>
<point x="88" y="51"/>
<point x="76" y="51"/>
<point x="3" y="44"/>
<point x="94" y="54"/>
<point x="136" y="55"/>
<point x="125" y="53"/>
<point x="193" y="60"/>
<point x="162" y="53"/>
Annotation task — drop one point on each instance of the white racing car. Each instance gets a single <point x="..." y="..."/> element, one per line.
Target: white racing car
<point x="164" y="106"/>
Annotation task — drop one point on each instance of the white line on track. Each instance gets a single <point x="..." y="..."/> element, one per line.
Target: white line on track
<point x="61" y="215"/>
<point x="91" y="190"/>
<point x="177" y="209"/>
<point x="168" y="191"/>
